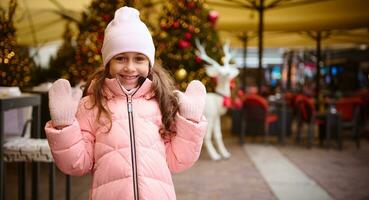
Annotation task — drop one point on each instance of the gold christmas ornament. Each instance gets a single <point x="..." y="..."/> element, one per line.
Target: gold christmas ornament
<point x="181" y="74"/>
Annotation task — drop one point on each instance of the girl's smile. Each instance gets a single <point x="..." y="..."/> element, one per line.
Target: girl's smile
<point x="129" y="67"/>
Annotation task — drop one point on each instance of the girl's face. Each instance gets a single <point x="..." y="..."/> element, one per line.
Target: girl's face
<point x="128" y="67"/>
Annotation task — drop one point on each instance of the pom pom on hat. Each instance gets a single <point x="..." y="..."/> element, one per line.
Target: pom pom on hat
<point x="127" y="33"/>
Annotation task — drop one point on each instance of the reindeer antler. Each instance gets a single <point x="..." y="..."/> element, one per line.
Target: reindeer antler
<point x="202" y="54"/>
<point x="227" y="54"/>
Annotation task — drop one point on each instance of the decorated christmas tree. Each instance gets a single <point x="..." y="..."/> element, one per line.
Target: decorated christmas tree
<point x="78" y="58"/>
<point x="16" y="65"/>
<point x="65" y="57"/>
<point x="181" y="22"/>
<point x="90" y="38"/>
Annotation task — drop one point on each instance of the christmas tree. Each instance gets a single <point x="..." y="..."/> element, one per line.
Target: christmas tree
<point x="65" y="57"/>
<point x="181" y="22"/>
<point x="90" y="38"/>
<point x="16" y="65"/>
<point x="146" y="8"/>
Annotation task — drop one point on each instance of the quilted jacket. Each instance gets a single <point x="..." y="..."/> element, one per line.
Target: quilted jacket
<point x="86" y="147"/>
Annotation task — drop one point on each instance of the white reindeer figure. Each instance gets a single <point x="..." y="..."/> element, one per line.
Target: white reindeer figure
<point x="214" y="101"/>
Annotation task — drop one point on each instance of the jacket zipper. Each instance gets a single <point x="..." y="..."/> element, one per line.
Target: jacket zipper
<point x="133" y="147"/>
<point x="132" y="142"/>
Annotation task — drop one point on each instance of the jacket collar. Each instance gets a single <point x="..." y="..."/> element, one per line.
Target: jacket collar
<point x="112" y="89"/>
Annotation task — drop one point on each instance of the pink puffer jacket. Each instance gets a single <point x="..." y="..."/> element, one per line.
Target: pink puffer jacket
<point x="85" y="147"/>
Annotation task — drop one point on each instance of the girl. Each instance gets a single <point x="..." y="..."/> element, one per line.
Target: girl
<point x="130" y="130"/>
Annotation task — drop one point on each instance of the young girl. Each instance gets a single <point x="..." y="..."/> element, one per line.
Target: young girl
<point x="131" y="129"/>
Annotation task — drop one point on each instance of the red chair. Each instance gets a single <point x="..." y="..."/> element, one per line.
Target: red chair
<point x="349" y="110"/>
<point x="306" y="114"/>
<point x="256" y="116"/>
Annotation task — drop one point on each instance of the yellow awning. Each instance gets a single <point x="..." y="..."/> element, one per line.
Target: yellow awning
<point x="310" y="15"/>
<point x="39" y="22"/>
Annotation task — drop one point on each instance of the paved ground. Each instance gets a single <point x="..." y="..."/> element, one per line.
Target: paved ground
<point x="235" y="178"/>
<point x="286" y="180"/>
<point x="342" y="174"/>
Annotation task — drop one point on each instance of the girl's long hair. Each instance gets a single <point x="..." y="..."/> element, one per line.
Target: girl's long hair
<point x="163" y="87"/>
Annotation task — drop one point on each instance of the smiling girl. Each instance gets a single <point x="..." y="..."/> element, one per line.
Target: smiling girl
<point x="131" y="129"/>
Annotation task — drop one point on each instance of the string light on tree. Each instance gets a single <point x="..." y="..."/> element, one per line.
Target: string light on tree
<point x="16" y="66"/>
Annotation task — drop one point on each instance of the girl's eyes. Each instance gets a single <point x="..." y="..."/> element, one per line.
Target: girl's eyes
<point x="140" y="58"/>
<point x="125" y="59"/>
<point x="120" y="58"/>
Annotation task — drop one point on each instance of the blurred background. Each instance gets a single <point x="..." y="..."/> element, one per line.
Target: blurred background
<point x="296" y="120"/>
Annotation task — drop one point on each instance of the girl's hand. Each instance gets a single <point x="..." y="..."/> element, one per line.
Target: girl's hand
<point x="63" y="103"/>
<point x="192" y="101"/>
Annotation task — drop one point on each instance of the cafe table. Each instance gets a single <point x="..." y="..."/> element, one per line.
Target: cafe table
<point x="14" y="102"/>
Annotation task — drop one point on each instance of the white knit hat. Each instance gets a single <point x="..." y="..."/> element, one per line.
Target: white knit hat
<point x="127" y="33"/>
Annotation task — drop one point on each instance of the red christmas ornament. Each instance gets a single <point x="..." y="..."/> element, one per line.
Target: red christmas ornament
<point x="198" y="59"/>
<point x="188" y="36"/>
<point x="183" y="44"/>
<point x="213" y="16"/>
<point x="175" y="24"/>
<point x="227" y="102"/>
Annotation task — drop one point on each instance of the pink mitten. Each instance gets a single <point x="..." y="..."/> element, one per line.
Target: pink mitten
<point x="192" y="101"/>
<point x="63" y="103"/>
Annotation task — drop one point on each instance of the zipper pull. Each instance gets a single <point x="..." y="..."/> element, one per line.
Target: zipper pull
<point x="129" y="104"/>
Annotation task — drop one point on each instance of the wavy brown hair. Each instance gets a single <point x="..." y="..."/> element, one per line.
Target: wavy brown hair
<point x="163" y="87"/>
